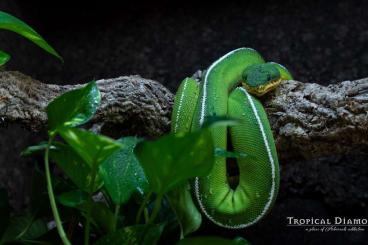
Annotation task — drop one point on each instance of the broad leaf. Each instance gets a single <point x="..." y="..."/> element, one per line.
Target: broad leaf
<point x="68" y="161"/>
<point x="92" y="148"/>
<point x="35" y="149"/>
<point x="74" y="167"/>
<point x="122" y="173"/>
<point x="181" y="201"/>
<point x="37" y="229"/>
<point x="101" y="215"/>
<point x="74" y="107"/>
<point x="174" y="158"/>
<point x="11" y="23"/>
<point x="211" y="240"/>
<point x="72" y="198"/>
<point x="24" y="228"/>
<point x="137" y="234"/>
<point x="4" y="58"/>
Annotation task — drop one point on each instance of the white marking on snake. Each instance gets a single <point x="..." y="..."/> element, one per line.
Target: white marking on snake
<point x="272" y="192"/>
<point x="204" y="95"/>
<point x="180" y="105"/>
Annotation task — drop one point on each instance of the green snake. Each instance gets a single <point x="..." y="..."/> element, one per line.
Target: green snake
<point x="225" y="91"/>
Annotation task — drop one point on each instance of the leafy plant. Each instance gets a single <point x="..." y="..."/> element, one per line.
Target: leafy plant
<point x="123" y="191"/>
<point x="11" y="23"/>
<point x="120" y="189"/>
<point x="23" y="228"/>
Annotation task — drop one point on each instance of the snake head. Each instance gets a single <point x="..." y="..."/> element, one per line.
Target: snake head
<point x="259" y="79"/>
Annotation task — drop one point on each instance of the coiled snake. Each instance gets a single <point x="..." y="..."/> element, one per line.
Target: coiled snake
<point x="225" y="90"/>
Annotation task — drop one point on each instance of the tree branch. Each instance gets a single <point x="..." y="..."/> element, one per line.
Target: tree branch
<point x="311" y="120"/>
<point x="129" y="104"/>
<point x="308" y="119"/>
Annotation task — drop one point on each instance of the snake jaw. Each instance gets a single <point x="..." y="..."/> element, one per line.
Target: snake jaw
<point x="262" y="89"/>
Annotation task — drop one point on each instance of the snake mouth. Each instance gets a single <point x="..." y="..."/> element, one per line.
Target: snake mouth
<point x="262" y="89"/>
<point x="232" y="168"/>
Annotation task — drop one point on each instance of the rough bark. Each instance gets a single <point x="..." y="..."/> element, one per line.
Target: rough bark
<point x="308" y="119"/>
<point x="128" y="104"/>
<point x="311" y="120"/>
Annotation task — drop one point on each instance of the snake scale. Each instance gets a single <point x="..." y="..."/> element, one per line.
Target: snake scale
<point x="225" y="90"/>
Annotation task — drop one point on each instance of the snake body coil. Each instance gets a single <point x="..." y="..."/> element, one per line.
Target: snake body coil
<point x="221" y="94"/>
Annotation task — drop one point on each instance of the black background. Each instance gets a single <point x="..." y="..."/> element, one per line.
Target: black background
<point x="319" y="41"/>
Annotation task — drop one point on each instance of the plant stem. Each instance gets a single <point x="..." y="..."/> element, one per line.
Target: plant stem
<point x="156" y="208"/>
<point x="89" y="205"/>
<point x="177" y="217"/>
<point x="107" y="197"/>
<point x="146" y="215"/>
<point x="50" y="192"/>
<point x="116" y="216"/>
<point x="141" y="208"/>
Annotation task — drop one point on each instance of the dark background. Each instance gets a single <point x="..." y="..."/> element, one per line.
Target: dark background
<point x="319" y="41"/>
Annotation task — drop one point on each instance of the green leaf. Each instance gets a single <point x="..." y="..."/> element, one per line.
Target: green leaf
<point x="181" y="201"/>
<point x="174" y="158"/>
<point x="93" y="148"/>
<point x="241" y="241"/>
<point x="219" y="152"/>
<point x="134" y="235"/>
<point x="30" y="150"/>
<point x="72" y="198"/>
<point x="122" y="173"/>
<point x="208" y="240"/>
<point x="37" y="229"/>
<point x="101" y="215"/>
<point x="11" y="23"/>
<point x="4" y="210"/>
<point x="4" y="58"/>
<point x="74" y="167"/>
<point x="74" y="107"/>
<point x="24" y="228"/>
